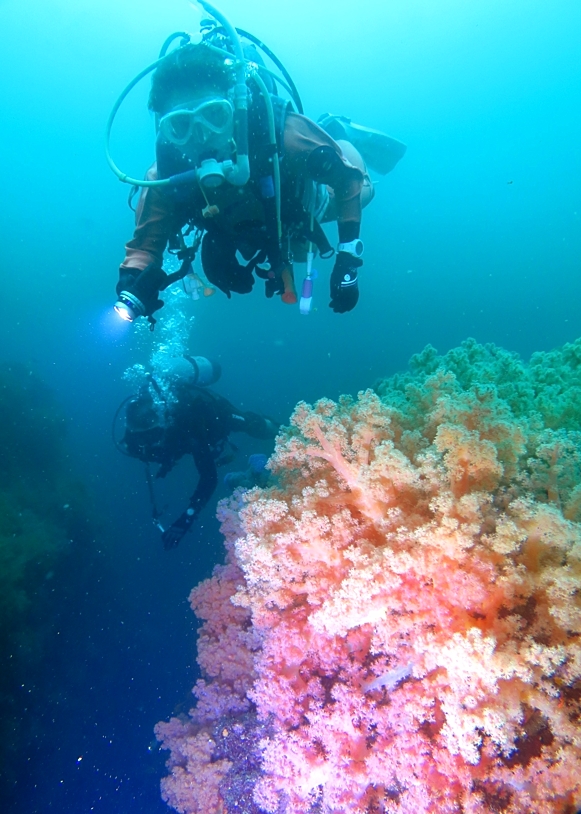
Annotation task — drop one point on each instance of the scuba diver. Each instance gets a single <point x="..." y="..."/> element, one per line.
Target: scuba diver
<point x="176" y="416"/>
<point x="248" y="173"/>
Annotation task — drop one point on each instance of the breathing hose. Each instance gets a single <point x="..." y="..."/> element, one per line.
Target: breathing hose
<point x="275" y="159"/>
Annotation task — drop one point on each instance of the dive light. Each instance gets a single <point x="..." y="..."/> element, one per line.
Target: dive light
<point x="142" y="300"/>
<point x="129" y="307"/>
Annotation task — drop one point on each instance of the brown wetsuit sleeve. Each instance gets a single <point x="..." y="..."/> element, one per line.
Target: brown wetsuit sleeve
<point x="155" y="223"/>
<point x="301" y="137"/>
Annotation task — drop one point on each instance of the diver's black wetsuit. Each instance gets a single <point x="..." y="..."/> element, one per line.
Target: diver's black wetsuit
<point x="197" y="423"/>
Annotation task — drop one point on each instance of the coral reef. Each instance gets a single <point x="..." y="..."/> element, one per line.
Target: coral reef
<point x="397" y="627"/>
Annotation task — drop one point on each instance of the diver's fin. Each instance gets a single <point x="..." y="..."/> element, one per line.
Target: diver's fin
<point x="379" y="151"/>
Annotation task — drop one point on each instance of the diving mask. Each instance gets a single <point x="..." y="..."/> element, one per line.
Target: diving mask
<point x="200" y="123"/>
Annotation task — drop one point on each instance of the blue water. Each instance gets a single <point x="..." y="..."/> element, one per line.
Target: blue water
<point x="475" y="233"/>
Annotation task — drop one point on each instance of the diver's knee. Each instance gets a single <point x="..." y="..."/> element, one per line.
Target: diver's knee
<point x="324" y="163"/>
<point x="352" y="155"/>
<point x="367" y="191"/>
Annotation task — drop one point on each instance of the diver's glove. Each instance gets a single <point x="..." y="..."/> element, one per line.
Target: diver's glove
<point x="344" y="285"/>
<point x="172" y="536"/>
<point x="232" y="278"/>
<point x="144" y="285"/>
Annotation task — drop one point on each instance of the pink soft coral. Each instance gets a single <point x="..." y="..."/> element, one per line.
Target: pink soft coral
<point x="226" y="645"/>
<point x="420" y="635"/>
<point x="415" y="615"/>
<point x="194" y="783"/>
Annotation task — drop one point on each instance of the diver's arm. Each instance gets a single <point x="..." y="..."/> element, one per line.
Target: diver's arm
<point x="254" y="425"/>
<point x="206" y="466"/>
<point x="155" y="222"/>
<point x="310" y="151"/>
<point x="224" y="415"/>
<point x="323" y="161"/>
<point x="208" y="481"/>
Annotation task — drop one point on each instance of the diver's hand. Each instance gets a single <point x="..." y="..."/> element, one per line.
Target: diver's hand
<point x="145" y="285"/>
<point x="126" y="279"/>
<point x="344" y="285"/>
<point x="172" y="536"/>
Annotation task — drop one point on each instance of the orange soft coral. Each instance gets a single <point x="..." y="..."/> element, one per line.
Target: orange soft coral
<point x="420" y="620"/>
<point x="411" y="584"/>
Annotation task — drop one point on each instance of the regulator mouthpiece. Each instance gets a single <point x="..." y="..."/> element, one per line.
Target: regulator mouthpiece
<point x="129" y="307"/>
<point x="211" y="173"/>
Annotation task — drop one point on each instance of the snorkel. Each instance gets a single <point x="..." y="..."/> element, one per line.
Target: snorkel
<point x="211" y="173"/>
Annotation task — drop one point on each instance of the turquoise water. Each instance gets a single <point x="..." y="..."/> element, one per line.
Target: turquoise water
<point x="475" y="233"/>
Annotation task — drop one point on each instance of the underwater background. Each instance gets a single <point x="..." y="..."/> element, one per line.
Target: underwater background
<point x="475" y="233"/>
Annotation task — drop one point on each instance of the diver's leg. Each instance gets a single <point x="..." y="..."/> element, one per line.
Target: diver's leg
<point x="354" y="157"/>
<point x="255" y="425"/>
<point x="381" y="152"/>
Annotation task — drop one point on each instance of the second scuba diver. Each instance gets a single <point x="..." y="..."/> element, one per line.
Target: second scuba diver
<point x="175" y="417"/>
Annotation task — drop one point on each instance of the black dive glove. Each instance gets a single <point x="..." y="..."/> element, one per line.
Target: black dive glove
<point x="344" y="286"/>
<point x="145" y="286"/>
<point x="172" y="536"/>
<point x="232" y="278"/>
